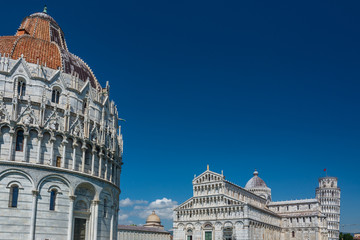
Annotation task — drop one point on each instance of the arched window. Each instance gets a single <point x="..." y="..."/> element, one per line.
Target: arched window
<point x="55" y="96"/>
<point x="53" y="194"/>
<point x="84" y="106"/>
<point x="19" y="141"/>
<point x="21" y="87"/>
<point x="58" y="161"/>
<point x="14" y="195"/>
<point x="293" y="234"/>
<point x="105" y="208"/>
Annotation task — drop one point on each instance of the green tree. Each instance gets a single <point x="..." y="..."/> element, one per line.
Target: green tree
<point x="346" y="236"/>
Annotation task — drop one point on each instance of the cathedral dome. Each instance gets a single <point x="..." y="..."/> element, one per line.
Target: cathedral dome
<point x="40" y="40"/>
<point x="153" y="218"/>
<point x="255" y="182"/>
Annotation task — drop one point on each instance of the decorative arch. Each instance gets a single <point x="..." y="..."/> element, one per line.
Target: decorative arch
<point x="54" y="176"/>
<point x="87" y="186"/>
<point x="208" y="226"/>
<point x="20" y="172"/>
<point x="11" y="183"/>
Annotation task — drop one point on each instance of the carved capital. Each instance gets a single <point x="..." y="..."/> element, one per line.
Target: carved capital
<point x="72" y="198"/>
<point x="35" y="193"/>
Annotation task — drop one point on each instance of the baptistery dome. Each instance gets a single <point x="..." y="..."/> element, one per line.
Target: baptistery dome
<point x="40" y="40"/>
<point x="60" y="140"/>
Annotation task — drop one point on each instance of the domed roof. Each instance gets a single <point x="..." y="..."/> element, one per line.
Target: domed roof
<point x="153" y="218"/>
<point x="40" y="40"/>
<point x="255" y="182"/>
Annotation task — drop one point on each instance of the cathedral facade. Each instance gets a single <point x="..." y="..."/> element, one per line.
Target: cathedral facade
<point x="60" y="140"/>
<point x="222" y="210"/>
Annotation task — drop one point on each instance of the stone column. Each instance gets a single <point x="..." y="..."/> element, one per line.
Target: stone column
<point x="96" y="218"/>
<point x="106" y="167"/>
<point x="93" y="160"/>
<point x="52" y="140"/>
<point x="12" y="134"/>
<point x="115" y="173"/>
<point x="64" y="142"/>
<point x="100" y="163"/>
<point x="83" y="148"/>
<point x="40" y="138"/>
<point x="74" y="155"/>
<point x="112" y="223"/>
<point x="111" y="170"/>
<point x="71" y="218"/>
<point x="26" y="136"/>
<point x="33" y="214"/>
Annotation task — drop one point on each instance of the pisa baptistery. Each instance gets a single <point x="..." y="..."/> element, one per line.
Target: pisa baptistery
<point x="60" y="140"/>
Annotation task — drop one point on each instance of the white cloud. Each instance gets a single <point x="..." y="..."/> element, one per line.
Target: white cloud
<point x="123" y="217"/>
<point x="127" y="202"/>
<point x="163" y="208"/>
<point x="133" y="209"/>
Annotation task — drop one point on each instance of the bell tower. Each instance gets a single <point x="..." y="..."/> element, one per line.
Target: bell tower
<point x="328" y="194"/>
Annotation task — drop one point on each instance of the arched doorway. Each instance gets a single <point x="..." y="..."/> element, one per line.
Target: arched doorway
<point x="189" y="234"/>
<point x="82" y="211"/>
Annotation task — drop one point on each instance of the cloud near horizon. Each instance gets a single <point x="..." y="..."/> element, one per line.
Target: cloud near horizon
<point x="142" y="209"/>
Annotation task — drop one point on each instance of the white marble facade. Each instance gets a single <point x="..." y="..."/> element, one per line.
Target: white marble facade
<point x="60" y="151"/>
<point x="221" y="210"/>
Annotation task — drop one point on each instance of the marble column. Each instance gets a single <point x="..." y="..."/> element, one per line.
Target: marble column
<point x="93" y="161"/>
<point x="71" y="218"/>
<point x="40" y="138"/>
<point x="112" y="223"/>
<point x="64" y="142"/>
<point x="26" y="136"/>
<point x="83" y="148"/>
<point x="96" y="218"/>
<point x="33" y="214"/>
<point x="52" y="140"/>
<point x="111" y="170"/>
<point x="74" y="155"/>
<point x="106" y="167"/>
<point x="115" y="173"/>
<point x="12" y="134"/>
<point x="100" y="163"/>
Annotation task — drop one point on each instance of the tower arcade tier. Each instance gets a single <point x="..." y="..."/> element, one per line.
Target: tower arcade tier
<point x="328" y="194"/>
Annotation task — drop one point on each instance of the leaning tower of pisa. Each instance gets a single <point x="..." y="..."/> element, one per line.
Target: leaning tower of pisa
<point x="328" y="194"/>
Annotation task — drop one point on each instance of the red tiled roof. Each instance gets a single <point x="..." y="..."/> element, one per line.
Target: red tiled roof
<point x="6" y="44"/>
<point x="35" y="50"/>
<point x="41" y="40"/>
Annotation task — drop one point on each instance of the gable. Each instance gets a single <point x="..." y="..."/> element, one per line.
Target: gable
<point x="208" y="176"/>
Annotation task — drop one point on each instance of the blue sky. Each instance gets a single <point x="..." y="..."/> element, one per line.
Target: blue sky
<point x="239" y="85"/>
